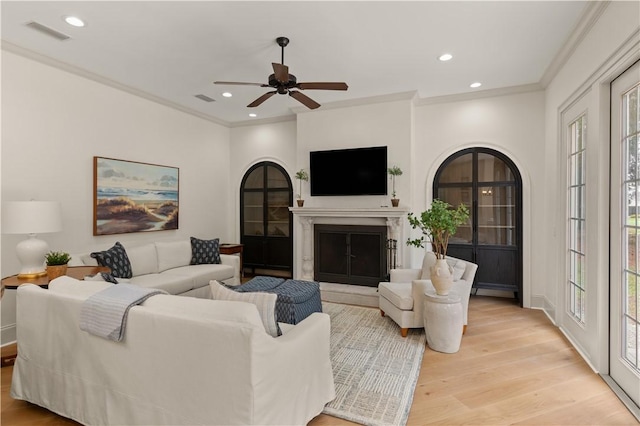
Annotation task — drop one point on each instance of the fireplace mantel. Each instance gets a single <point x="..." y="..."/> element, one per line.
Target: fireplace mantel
<point x="392" y="217"/>
<point x="385" y="212"/>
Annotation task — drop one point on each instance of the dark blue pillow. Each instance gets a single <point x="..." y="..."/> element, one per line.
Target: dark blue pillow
<point x="205" y="251"/>
<point x="116" y="259"/>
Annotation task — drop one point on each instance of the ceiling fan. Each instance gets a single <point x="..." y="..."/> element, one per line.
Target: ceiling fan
<point x="283" y="82"/>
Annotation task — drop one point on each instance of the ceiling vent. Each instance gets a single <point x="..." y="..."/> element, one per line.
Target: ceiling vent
<point x="48" y="31"/>
<point x="204" y="98"/>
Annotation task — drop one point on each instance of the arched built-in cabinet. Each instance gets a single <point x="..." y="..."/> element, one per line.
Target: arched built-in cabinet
<point x="266" y="225"/>
<point x="490" y="185"/>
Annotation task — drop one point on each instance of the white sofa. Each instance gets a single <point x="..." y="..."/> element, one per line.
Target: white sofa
<point x="166" y="266"/>
<point x="402" y="298"/>
<point x="183" y="361"/>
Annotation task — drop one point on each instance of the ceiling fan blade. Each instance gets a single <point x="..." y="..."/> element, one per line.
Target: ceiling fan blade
<point x="238" y="83"/>
<point x="281" y="72"/>
<point x="304" y="99"/>
<point x="322" y="86"/>
<point x="261" y="99"/>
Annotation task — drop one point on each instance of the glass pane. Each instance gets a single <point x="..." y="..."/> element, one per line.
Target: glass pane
<point x="253" y="213"/>
<point x="367" y="264"/>
<point x="278" y="213"/>
<point x="275" y="178"/>
<point x="493" y="169"/>
<point x="455" y="197"/>
<point x="496" y="215"/>
<point x="255" y="179"/>
<point x="459" y="170"/>
<point x="632" y="249"/>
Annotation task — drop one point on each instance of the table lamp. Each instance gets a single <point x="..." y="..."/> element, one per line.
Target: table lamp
<point x="32" y="218"/>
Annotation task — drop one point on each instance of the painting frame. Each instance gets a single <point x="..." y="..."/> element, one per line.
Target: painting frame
<point x="132" y="196"/>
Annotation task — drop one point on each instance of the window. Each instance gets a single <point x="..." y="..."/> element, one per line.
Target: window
<point x="576" y="283"/>
<point x="630" y="226"/>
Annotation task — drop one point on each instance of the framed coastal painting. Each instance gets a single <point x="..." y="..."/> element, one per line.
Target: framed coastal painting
<point x="129" y="196"/>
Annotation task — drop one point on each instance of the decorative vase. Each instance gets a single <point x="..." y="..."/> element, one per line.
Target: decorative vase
<point x="395" y="202"/>
<point x="300" y="203"/>
<point x="442" y="277"/>
<point x="55" y="271"/>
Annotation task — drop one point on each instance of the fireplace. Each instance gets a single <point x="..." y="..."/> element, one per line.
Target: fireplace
<point x="307" y="219"/>
<point x="350" y="254"/>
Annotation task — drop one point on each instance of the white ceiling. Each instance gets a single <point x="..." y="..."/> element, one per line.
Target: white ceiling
<point x="173" y="50"/>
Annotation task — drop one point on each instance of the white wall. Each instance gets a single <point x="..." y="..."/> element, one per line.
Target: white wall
<point x="612" y="44"/>
<point x="511" y="124"/>
<point x="274" y="142"/>
<point x="54" y="122"/>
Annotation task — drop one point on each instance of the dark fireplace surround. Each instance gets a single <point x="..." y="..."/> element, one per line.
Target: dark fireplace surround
<point x="350" y="254"/>
<point x="358" y="240"/>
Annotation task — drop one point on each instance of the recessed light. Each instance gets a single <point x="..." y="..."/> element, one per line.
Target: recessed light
<point x="445" y="57"/>
<point x="476" y="84"/>
<point x="253" y="115"/>
<point x="227" y="95"/>
<point x="73" y="21"/>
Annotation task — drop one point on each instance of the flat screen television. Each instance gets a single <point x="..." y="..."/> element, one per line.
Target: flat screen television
<point x="356" y="171"/>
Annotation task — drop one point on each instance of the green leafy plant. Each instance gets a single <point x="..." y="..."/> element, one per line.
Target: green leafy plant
<point x="394" y="171"/>
<point x="301" y="175"/>
<point x="54" y="258"/>
<point x="438" y="223"/>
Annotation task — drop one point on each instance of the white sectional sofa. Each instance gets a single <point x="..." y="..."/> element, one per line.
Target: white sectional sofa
<point x="183" y="361"/>
<point x="166" y="266"/>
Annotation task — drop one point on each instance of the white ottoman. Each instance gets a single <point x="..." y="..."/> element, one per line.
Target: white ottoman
<point x="443" y="321"/>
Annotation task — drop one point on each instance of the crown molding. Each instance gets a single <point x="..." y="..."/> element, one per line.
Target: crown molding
<point x="587" y="20"/>
<point x="489" y="93"/>
<point x="258" y="121"/>
<point x="401" y="96"/>
<point x="29" y="54"/>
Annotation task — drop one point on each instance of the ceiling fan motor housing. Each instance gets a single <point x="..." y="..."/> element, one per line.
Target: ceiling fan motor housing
<point x="282" y="87"/>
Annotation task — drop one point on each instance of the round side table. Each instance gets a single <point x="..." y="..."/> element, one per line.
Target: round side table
<point x="443" y="321"/>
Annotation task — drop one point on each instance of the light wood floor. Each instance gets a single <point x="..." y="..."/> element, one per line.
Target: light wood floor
<point x="514" y="367"/>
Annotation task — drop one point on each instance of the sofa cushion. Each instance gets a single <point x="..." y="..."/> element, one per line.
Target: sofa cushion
<point x="143" y="259"/>
<point x="399" y="294"/>
<point x="116" y="259"/>
<point x="172" y="284"/>
<point x="200" y="275"/>
<point x="173" y="254"/>
<point x="205" y="251"/>
<point x="265" y="302"/>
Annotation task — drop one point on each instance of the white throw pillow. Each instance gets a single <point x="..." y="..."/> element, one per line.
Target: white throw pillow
<point x="459" y="267"/>
<point x="427" y="263"/>
<point x="265" y="302"/>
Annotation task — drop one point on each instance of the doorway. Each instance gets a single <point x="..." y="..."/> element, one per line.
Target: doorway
<point x="490" y="185"/>
<point x="624" y="280"/>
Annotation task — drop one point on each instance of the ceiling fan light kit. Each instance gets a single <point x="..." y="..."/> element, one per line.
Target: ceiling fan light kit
<point x="283" y="82"/>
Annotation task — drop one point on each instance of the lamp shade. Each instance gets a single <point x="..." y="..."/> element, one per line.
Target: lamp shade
<point x="31" y="217"/>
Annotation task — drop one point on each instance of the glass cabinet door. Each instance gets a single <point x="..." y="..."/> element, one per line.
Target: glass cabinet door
<point x="488" y="183"/>
<point x="266" y="222"/>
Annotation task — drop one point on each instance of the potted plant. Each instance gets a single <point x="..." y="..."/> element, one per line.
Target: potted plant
<point x="56" y="263"/>
<point x="301" y="175"/>
<point x="394" y="171"/>
<point x="438" y="224"/>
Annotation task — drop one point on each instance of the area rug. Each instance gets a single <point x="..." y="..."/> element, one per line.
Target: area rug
<point x="374" y="368"/>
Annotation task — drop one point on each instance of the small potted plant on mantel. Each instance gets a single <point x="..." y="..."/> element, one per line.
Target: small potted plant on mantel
<point x="439" y="223"/>
<point x="56" y="264"/>
<point x="301" y="175"/>
<point x="393" y="172"/>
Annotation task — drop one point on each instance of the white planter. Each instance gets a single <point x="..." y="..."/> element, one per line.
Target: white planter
<point x="442" y="277"/>
<point x="443" y="321"/>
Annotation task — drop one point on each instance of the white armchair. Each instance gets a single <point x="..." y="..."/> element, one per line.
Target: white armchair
<point x="402" y="298"/>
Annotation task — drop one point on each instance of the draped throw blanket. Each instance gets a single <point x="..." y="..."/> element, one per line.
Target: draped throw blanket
<point x="105" y="313"/>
